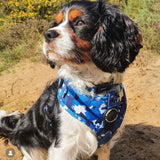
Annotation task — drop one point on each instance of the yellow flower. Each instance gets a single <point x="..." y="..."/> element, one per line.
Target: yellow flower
<point x="46" y="3"/>
<point x="16" y="4"/>
<point x="30" y="7"/>
<point x="10" y="2"/>
<point x="2" y="20"/>
<point x="31" y="15"/>
<point x="10" y="23"/>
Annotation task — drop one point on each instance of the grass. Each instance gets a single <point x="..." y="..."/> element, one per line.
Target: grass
<point x="10" y="57"/>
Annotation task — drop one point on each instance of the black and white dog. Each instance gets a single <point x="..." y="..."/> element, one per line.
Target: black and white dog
<point x="76" y="116"/>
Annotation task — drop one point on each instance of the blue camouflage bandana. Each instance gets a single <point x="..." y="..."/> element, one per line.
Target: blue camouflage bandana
<point x="103" y="113"/>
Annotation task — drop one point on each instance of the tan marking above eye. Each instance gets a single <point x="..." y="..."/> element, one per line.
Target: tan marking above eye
<point x="74" y="13"/>
<point x="59" y="17"/>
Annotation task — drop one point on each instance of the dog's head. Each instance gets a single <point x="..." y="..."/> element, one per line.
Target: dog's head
<point x="84" y="32"/>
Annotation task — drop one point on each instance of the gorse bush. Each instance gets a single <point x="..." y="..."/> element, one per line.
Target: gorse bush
<point x="22" y="23"/>
<point x="20" y="10"/>
<point x="21" y="18"/>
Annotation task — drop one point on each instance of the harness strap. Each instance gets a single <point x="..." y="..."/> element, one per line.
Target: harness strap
<point x="103" y="114"/>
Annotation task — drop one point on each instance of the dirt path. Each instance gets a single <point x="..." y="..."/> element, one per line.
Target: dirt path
<point x="141" y="137"/>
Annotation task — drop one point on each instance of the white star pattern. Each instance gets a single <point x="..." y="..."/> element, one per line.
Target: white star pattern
<point x="80" y="109"/>
<point x="102" y="108"/>
<point x="97" y="125"/>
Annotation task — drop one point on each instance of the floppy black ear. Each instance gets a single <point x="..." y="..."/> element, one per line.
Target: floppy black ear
<point x="117" y="42"/>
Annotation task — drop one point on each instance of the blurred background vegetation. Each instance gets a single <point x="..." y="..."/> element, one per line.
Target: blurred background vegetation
<point x="22" y="23"/>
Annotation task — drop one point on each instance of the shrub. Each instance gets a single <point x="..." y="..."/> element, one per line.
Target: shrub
<point x="25" y="19"/>
<point x="19" y="11"/>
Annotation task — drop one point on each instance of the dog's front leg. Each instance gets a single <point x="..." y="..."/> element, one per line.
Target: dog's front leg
<point x="104" y="152"/>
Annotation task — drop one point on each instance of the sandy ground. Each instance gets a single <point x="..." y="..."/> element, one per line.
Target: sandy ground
<point x="140" y="140"/>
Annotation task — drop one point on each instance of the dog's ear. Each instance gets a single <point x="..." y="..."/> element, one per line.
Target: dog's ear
<point x="117" y="41"/>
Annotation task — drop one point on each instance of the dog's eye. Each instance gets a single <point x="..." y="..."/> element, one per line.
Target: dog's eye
<point x="80" y="23"/>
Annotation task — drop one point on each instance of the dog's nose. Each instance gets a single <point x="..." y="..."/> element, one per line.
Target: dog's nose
<point x="50" y="35"/>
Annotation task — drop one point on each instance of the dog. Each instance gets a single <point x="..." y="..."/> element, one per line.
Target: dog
<point x="78" y="115"/>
